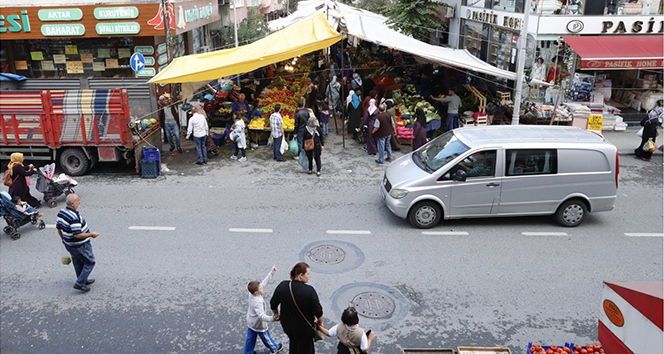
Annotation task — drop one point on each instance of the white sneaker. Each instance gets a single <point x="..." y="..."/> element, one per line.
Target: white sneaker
<point x="242" y="159"/>
<point x="233" y="157"/>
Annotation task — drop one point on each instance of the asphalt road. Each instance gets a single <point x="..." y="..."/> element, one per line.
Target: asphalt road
<point x="182" y="289"/>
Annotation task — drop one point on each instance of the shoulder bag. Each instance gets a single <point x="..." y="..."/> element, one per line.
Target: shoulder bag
<point x="309" y="143"/>
<point x="317" y="334"/>
<point x="7" y="179"/>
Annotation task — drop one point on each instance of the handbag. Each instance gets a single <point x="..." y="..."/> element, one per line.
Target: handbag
<point x="309" y="143"/>
<point x="640" y="132"/>
<point x="7" y="179"/>
<point x="317" y="334"/>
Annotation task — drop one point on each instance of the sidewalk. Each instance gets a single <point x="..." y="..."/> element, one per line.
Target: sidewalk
<point x="626" y="141"/>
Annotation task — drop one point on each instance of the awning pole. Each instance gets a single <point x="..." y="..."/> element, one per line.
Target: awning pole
<point x="237" y="77"/>
<point x="520" y="65"/>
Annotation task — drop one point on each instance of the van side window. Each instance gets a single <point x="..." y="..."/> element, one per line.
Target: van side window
<point x="479" y="164"/>
<point x="531" y="162"/>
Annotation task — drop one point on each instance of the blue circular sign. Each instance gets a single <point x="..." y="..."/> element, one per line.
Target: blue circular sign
<point x="137" y="62"/>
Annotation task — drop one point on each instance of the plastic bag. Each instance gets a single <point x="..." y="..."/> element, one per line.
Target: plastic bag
<point x="270" y="140"/>
<point x="284" y="145"/>
<point x="640" y="132"/>
<point x="293" y="147"/>
<point x="649" y="146"/>
<point x="303" y="160"/>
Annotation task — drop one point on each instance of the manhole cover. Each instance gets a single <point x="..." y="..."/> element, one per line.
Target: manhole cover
<point x="373" y="304"/>
<point x="327" y="254"/>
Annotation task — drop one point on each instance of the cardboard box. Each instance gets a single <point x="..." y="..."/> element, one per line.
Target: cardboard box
<point x="483" y="350"/>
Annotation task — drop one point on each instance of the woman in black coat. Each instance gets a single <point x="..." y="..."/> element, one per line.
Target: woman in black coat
<point x="314" y="130"/>
<point x="649" y="132"/>
<point x="19" y="175"/>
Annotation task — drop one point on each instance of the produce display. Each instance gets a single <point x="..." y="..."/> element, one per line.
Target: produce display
<point x="567" y="349"/>
<point x="407" y="101"/>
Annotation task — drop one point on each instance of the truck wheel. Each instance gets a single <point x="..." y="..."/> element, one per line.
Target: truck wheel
<point x="74" y="162"/>
<point x="425" y="214"/>
<point x="571" y="213"/>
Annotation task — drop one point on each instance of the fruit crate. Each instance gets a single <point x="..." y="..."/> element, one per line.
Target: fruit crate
<point x="570" y="345"/>
<point x="149" y="169"/>
<point x="151" y="154"/>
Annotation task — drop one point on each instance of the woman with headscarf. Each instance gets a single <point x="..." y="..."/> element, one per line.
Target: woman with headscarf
<point x="20" y="176"/>
<point x="353" y="112"/>
<point x="333" y="94"/>
<point x="419" y="129"/>
<point x="356" y="82"/>
<point x="315" y="132"/>
<point x="369" y="120"/>
<point x="649" y="124"/>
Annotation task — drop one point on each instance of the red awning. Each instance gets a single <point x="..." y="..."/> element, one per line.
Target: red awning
<point x="618" y="52"/>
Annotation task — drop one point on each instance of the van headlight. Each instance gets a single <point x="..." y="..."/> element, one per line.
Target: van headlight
<point x="398" y="193"/>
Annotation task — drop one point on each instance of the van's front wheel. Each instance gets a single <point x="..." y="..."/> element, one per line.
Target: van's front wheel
<point x="425" y="214"/>
<point x="571" y="213"/>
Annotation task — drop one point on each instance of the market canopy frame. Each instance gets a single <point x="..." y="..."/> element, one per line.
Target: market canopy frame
<point x="300" y="38"/>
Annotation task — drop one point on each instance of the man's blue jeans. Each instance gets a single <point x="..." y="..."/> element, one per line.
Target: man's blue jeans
<point x="452" y="121"/>
<point x="172" y="128"/>
<point x="83" y="260"/>
<point x="276" y="147"/>
<point x="300" y="140"/>
<point x="201" y="149"/>
<point x="383" y="144"/>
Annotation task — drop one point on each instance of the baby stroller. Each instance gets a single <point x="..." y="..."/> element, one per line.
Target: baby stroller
<point x="15" y="218"/>
<point x="53" y="187"/>
<point x="362" y="134"/>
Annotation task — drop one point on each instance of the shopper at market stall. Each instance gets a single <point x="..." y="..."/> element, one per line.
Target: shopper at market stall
<point x="382" y="131"/>
<point x="301" y="118"/>
<point x="350" y="335"/>
<point x="168" y="113"/>
<point x="649" y="124"/>
<point x="249" y="92"/>
<point x="199" y="128"/>
<point x="353" y="112"/>
<point x="241" y="105"/>
<point x="20" y="176"/>
<point x="325" y="118"/>
<point x="333" y="94"/>
<point x="419" y="129"/>
<point x="369" y="120"/>
<point x="453" y="104"/>
<point x="277" y="127"/>
<point x="296" y="306"/>
<point x="356" y="82"/>
<point x="365" y="104"/>
<point x="239" y="138"/>
<point x="396" y="144"/>
<point x="368" y="85"/>
<point x="314" y="131"/>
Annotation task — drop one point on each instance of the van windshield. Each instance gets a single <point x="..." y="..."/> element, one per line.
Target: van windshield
<point x="441" y="150"/>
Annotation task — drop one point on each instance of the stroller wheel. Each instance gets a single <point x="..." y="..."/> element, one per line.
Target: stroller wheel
<point x="41" y="225"/>
<point x="8" y="230"/>
<point x="52" y="203"/>
<point x="15" y="235"/>
<point x="34" y="220"/>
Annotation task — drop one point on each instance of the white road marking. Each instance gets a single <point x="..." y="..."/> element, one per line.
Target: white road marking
<point x="50" y="226"/>
<point x="251" y="230"/>
<point x="445" y="233"/>
<point x="544" y="234"/>
<point x="152" y="228"/>
<point x="348" y="232"/>
<point x="643" y="234"/>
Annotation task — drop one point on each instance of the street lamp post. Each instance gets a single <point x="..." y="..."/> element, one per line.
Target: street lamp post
<point x="521" y="63"/>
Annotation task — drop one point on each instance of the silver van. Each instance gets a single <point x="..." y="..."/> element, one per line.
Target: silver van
<point x="504" y="171"/>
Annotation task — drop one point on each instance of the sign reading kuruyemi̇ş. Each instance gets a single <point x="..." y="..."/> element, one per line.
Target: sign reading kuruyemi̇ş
<point x="115" y="13"/>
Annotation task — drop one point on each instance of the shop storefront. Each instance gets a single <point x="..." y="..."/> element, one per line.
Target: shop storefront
<point x="89" y="46"/>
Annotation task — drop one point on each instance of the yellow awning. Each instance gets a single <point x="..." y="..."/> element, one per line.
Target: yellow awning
<point x="301" y="38"/>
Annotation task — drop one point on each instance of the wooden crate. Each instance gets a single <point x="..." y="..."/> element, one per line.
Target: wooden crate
<point x="483" y="350"/>
<point x="426" y="351"/>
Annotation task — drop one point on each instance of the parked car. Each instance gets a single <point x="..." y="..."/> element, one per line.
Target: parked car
<point x="504" y="171"/>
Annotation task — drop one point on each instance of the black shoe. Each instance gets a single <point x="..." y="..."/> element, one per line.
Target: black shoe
<point x="205" y="162"/>
<point x="81" y="288"/>
<point x="172" y="149"/>
<point x="90" y="281"/>
<point x="180" y="150"/>
<point x="388" y="159"/>
<point x="280" y="349"/>
<point x="378" y="162"/>
<point x="280" y="160"/>
<point x="199" y="163"/>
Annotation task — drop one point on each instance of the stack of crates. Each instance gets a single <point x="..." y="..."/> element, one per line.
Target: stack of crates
<point x="151" y="163"/>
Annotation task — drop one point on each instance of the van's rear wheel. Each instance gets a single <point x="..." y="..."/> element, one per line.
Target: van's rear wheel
<point x="425" y="214"/>
<point x="74" y="162"/>
<point x="571" y="213"/>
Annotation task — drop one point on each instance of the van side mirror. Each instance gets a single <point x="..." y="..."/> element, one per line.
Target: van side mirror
<point x="459" y="175"/>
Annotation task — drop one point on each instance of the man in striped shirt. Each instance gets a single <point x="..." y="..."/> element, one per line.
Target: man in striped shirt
<point x="76" y="235"/>
<point x="277" y="125"/>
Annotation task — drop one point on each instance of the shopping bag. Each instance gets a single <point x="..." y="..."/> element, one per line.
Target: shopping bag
<point x="284" y="145"/>
<point x="303" y="160"/>
<point x="649" y="146"/>
<point x="293" y="147"/>
<point x="640" y="132"/>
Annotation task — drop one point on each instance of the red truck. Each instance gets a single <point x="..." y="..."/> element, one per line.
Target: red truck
<point x="78" y="128"/>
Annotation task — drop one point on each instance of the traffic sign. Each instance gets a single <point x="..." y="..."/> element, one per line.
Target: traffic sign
<point x="137" y="62"/>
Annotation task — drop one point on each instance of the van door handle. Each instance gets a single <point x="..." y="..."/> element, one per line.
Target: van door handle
<point x="493" y="184"/>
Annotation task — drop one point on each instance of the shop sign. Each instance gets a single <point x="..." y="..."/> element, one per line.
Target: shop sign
<point x="497" y="18"/>
<point x="146" y="72"/>
<point x="623" y="64"/>
<point x="16" y="23"/>
<point x="60" y="14"/>
<point x="115" y="13"/>
<point x="144" y="49"/>
<point x="163" y="59"/>
<point x="63" y="30"/>
<point x="193" y="14"/>
<point x="162" y="68"/>
<point x="112" y="28"/>
<point x="149" y="61"/>
<point x="595" y="122"/>
<point x="161" y="48"/>
<point x="601" y="25"/>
